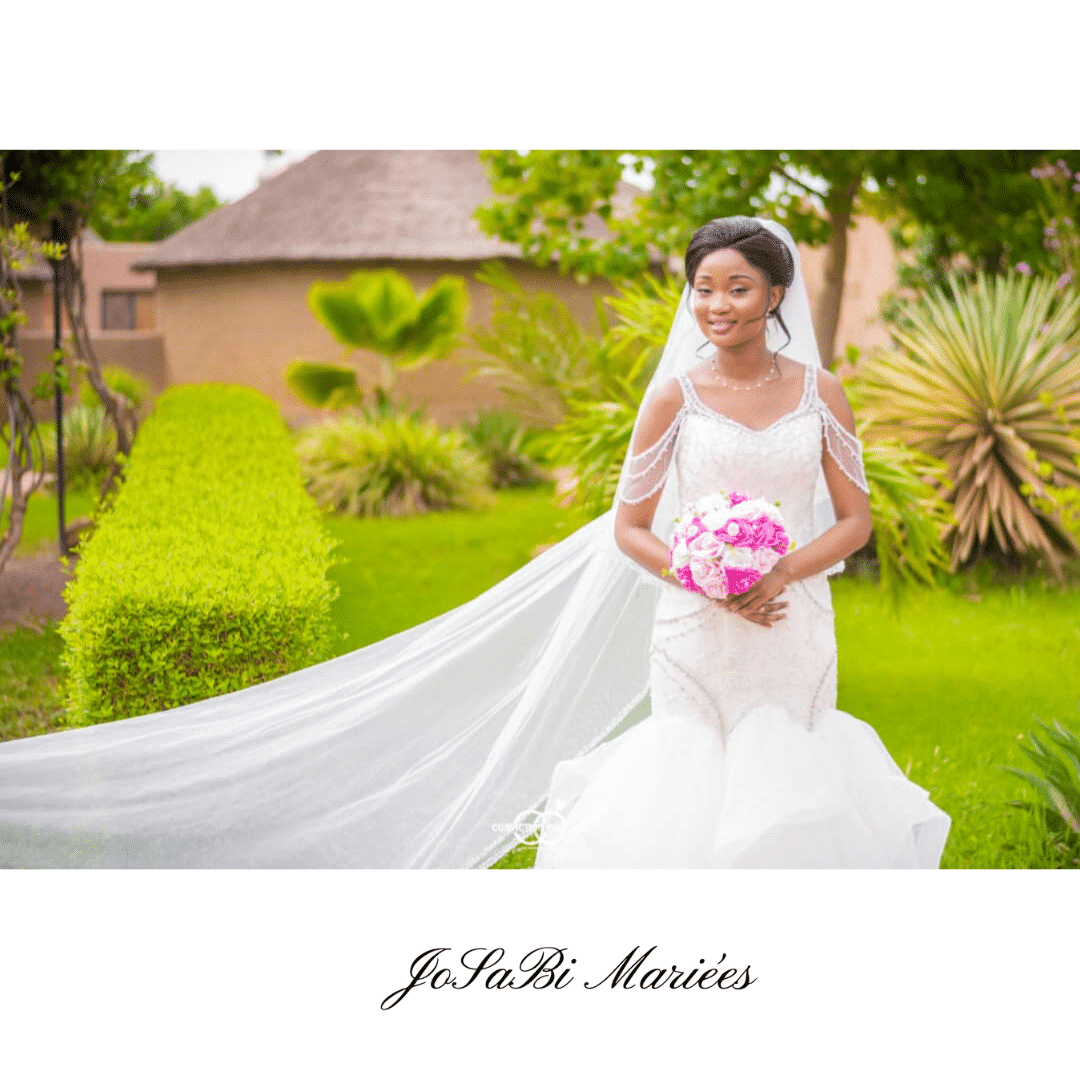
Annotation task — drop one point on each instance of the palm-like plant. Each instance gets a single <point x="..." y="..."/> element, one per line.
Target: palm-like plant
<point x="985" y="375"/>
<point x="1056" y="755"/>
<point x="909" y="515"/>
<point x="379" y="311"/>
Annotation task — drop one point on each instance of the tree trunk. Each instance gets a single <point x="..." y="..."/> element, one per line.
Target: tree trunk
<point x="20" y="437"/>
<point x="839" y="205"/>
<point x="120" y="414"/>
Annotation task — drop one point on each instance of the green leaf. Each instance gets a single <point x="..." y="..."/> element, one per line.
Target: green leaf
<point x="324" y="386"/>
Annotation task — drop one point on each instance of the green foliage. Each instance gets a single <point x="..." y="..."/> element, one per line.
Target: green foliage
<point x="151" y="212"/>
<point x="910" y="516"/>
<point x="541" y="357"/>
<point x="378" y="310"/>
<point x="393" y="465"/>
<point x="31" y="682"/>
<point x="153" y="622"/>
<point x="985" y="376"/>
<point x="39" y="531"/>
<point x="504" y="443"/>
<point x="545" y="198"/>
<point x="133" y="389"/>
<point x="1061" y="211"/>
<point x="959" y="211"/>
<point x="323" y="386"/>
<point x="1056" y="755"/>
<point x="64" y="188"/>
<point x="89" y="445"/>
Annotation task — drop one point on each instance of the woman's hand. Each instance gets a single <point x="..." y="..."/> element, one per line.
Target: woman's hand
<point x="758" y="604"/>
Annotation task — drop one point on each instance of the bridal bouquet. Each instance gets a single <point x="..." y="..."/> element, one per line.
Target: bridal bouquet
<point x="724" y="543"/>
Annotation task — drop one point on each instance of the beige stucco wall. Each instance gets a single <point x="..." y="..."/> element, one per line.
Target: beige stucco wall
<point x="106" y="266"/>
<point x="244" y="324"/>
<point x="868" y="275"/>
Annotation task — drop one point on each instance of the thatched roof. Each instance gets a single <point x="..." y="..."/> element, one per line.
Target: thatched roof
<point x="347" y="204"/>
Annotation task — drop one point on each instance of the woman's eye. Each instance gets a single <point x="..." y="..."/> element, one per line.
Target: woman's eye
<point x="738" y="290"/>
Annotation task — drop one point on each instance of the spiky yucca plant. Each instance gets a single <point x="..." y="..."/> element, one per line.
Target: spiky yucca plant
<point x="983" y="375"/>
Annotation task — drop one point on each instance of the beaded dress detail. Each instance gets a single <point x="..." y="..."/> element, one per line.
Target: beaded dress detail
<point x="745" y="760"/>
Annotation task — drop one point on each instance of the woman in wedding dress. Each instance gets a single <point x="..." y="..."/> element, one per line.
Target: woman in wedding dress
<point x="745" y="760"/>
<point x="436" y="747"/>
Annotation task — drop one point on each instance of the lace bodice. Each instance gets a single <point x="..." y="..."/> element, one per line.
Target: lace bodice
<point x="707" y="662"/>
<point x="781" y="462"/>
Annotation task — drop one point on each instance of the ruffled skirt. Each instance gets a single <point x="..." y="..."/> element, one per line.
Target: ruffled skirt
<point x="669" y="793"/>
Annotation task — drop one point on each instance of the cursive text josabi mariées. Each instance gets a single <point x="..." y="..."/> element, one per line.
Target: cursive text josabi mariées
<point x="548" y="966"/>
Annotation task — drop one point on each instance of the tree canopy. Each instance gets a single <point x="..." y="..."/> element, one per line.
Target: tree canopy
<point x="983" y="205"/>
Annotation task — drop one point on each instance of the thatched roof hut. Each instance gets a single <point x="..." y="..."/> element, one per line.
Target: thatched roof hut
<point x="233" y="285"/>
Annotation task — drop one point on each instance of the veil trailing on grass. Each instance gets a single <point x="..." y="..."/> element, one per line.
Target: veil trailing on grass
<point x="422" y="750"/>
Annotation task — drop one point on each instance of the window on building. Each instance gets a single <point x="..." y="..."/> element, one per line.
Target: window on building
<point x="127" y="310"/>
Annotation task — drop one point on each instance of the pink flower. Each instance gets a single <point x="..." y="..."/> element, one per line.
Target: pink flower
<point x="737" y="497"/>
<point x="711" y="577"/>
<point x="765" y="559"/>
<point x="740" y="578"/>
<point x="686" y="579"/>
<point x="694" y="528"/>
<point x="706" y="545"/>
<point x="1023" y="268"/>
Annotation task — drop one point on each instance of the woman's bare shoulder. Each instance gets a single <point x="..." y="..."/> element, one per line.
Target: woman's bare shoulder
<point x="658" y="413"/>
<point x="831" y="391"/>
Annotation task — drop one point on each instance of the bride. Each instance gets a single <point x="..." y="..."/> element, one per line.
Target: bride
<point x="745" y="760"/>
<point x="439" y="746"/>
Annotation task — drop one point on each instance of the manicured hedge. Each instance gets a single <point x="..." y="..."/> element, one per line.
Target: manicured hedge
<point x="209" y="572"/>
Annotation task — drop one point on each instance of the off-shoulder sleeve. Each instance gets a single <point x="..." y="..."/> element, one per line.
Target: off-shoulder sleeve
<point x="843" y="447"/>
<point x="644" y="473"/>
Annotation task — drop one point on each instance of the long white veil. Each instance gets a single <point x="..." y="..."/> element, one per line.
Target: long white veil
<point x="421" y="750"/>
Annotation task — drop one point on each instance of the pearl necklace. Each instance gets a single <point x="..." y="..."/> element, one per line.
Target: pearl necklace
<point x="746" y="386"/>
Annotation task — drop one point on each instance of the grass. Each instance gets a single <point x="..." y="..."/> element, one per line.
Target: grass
<point x="950" y="683"/>
<point x="31" y="685"/>
<point x="402" y="571"/>
<point x="40" y="526"/>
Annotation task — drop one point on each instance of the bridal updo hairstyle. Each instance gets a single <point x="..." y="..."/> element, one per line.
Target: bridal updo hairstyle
<point x="755" y="243"/>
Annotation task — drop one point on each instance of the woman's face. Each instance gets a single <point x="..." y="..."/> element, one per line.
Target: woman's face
<point x="732" y="298"/>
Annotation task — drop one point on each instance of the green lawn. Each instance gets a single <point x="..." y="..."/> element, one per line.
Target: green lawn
<point x="40" y="526"/>
<point x="400" y="572"/>
<point x="950" y="683"/>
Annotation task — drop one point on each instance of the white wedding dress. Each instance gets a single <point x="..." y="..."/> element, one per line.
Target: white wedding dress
<point x="745" y="760"/>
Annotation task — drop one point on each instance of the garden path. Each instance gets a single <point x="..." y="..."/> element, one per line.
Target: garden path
<point x="32" y="590"/>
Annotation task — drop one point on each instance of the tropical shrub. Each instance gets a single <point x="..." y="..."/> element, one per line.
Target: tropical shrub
<point x="379" y="311"/>
<point x="506" y="445"/>
<point x="544" y="360"/>
<point x="985" y="375"/>
<point x="391" y="466"/>
<point x="909" y="515"/>
<point x="590" y="386"/>
<point x="208" y="574"/>
<point x="1056" y="755"/>
<point x="89" y="445"/>
<point x="120" y="380"/>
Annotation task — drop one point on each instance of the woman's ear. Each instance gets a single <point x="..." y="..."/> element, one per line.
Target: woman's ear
<point x="776" y="296"/>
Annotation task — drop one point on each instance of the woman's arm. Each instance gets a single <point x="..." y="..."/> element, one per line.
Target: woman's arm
<point x="633" y="521"/>
<point x="851" y="504"/>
